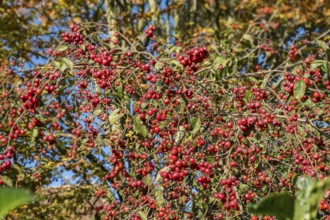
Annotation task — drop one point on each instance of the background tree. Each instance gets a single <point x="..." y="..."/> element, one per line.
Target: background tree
<point x="163" y="109"/>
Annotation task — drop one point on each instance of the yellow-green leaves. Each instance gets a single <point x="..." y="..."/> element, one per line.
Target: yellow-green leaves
<point x="195" y="125"/>
<point x="281" y="205"/>
<point x="10" y="198"/>
<point x="139" y="127"/>
<point x="114" y="116"/>
<point x="64" y="64"/>
<point x="299" y="89"/>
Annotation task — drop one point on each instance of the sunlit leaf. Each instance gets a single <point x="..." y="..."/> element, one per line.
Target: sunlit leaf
<point x="249" y="38"/>
<point x="34" y="136"/>
<point x="322" y="44"/>
<point x="299" y="89"/>
<point x="97" y="112"/>
<point x="139" y="127"/>
<point x="11" y="198"/>
<point x="159" y="196"/>
<point x="176" y="64"/>
<point x="175" y="49"/>
<point x="317" y="191"/>
<point x="114" y="116"/>
<point x="143" y="215"/>
<point x="68" y="62"/>
<point x="62" y="48"/>
<point x="281" y="205"/>
<point x="7" y="180"/>
<point x="195" y="125"/>
<point x="148" y="180"/>
<point x="317" y="63"/>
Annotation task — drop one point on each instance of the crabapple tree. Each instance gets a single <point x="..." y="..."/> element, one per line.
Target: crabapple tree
<point x="154" y="130"/>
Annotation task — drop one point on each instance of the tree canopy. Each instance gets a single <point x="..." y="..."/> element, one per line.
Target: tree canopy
<point x="162" y="109"/>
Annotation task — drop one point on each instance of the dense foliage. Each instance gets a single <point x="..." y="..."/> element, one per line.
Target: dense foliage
<point x="192" y="118"/>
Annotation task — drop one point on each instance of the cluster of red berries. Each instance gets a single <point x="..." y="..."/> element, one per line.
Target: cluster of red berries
<point x="30" y="98"/>
<point x="49" y="138"/>
<point x="149" y="32"/>
<point x="5" y="156"/>
<point x="324" y="205"/>
<point x="110" y="210"/>
<point x="76" y="38"/>
<point x="293" y="52"/>
<point x="101" y="193"/>
<point x="137" y="184"/>
<point x="103" y="77"/>
<point x="103" y="58"/>
<point x="267" y="48"/>
<point x="204" y="180"/>
<point x="15" y="132"/>
<point x="166" y="213"/>
<point x="148" y="167"/>
<point x="194" y="56"/>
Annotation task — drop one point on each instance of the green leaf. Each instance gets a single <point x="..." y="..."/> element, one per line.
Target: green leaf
<point x="62" y="67"/>
<point x="10" y="198"/>
<point x="217" y="61"/>
<point x="195" y="125"/>
<point x="308" y="103"/>
<point x="322" y="44"/>
<point x="7" y="181"/>
<point x="139" y="127"/>
<point x="281" y="205"/>
<point x="18" y="169"/>
<point x="62" y="48"/>
<point x="227" y="62"/>
<point x="159" y="65"/>
<point x="83" y="47"/>
<point x="317" y="63"/>
<point x="97" y="112"/>
<point x="317" y="191"/>
<point x="299" y="89"/>
<point x="309" y="196"/>
<point x="179" y="135"/>
<point x="238" y="49"/>
<point x="119" y="90"/>
<point x="248" y="95"/>
<point x="176" y="64"/>
<point x="176" y="19"/>
<point x="99" y="141"/>
<point x="207" y="63"/>
<point x="159" y="196"/>
<point x="114" y="116"/>
<point x="142" y="215"/>
<point x="298" y="211"/>
<point x="148" y="180"/>
<point x="84" y="141"/>
<point x="68" y="63"/>
<point x="60" y="146"/>
<point x="163" y="124"/>
<point x="110" y="196"/>
<point x="200" y="214"/>
<point x="253" y="139"/>
<point x="57" y="64"/>
<point x="304" y="182"/>
<point x="175" y="49"/>
<point x="249" y="38"/>
<point x="34" y="136"/>
<point x="303" y="193"/>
